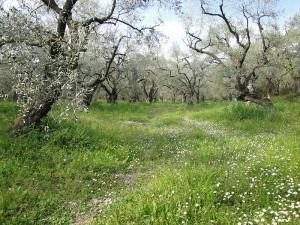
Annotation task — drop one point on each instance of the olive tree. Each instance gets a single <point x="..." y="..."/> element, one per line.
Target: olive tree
<point x="188" y="71"/>
<point x="102" y="67"/>
<point x="292" y="53"/>
<point x="230" y="47"/>
<point x="61" y="31"/>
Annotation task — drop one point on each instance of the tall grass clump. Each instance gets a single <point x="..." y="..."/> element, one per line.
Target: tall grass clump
<point x="293" y="98"/>
<point x="241" y="111"/>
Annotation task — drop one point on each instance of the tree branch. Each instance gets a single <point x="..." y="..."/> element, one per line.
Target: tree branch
<point x="103" y="19"/>
<point x="52" y="5"/>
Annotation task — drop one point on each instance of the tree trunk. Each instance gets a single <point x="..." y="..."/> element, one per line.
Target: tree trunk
<point x="112" y="97"/>
<point x="190" y="100"/>
<point x="12" y="96"/>
<point x="31" y="115"/>
<point x="33" y="112"/>
<point x="198" y="97"/>
<point x="273" y="90"/>
<point x="183" y="97"/>
<point x="252" y="97"/>
<point x="245" y="95"/>
<point x="38" y="109"/>
<point x="173" y="97"/>
<point x="150" y="99"/>
<point x="132" y="99"/>
<point x="92" y="87"/>
<point x="88" y="98"/>
<point x="297" y="79"/>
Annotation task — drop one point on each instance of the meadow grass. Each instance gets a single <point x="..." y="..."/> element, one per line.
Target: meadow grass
<point x="160" y="163"/>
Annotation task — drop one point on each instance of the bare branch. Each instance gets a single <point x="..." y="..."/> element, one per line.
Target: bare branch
<point x="103" y="19"/>
<point x="202" y="50"/>
<point x="27" y="42"/>
<point x="133" y="27"/>
<point x="52" y="5"/>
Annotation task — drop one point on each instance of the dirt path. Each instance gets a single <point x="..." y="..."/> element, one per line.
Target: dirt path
<point x="207" y="127"/>
<point x="96" y="205"/>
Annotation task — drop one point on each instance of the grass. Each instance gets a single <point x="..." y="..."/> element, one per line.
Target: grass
<point x="164" y="163"/>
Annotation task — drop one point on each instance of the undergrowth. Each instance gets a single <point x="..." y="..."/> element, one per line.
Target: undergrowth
<point x="161" y="163"/>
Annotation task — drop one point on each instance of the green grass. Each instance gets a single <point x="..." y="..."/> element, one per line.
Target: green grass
<point x="161" y="163"/>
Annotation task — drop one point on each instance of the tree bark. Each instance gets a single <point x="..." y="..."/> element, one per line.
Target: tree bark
<point x="198" y="97"/>
<point x="112" y="96"/>
<point x="32" y="114"/>
<point x="297" y="79"/>
<point x="252" y="97"/>
<point x="112" y="99"/>
<point x="245" y="95"/>
<point x="88" y="98"/>
<point x="133" y="99"/>
<point x="173" y="97"/>
<point x="183" y="97"/>
<point x="92" y="87"/>
<point x="190" y="99"/>
<point x="150" y="96"/>
<point x="273" y="90"/>
<point x="38" y="109"/>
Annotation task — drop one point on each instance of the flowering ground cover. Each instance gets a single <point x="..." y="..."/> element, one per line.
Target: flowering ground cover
<point x="164" y="163"/>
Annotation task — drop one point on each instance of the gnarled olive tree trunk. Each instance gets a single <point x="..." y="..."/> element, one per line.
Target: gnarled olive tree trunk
<point x="243" y="41"/>
<point x="297" y="81"/>
<point x="35" y="111"/>
<point x="190" y="99"/>
<point x="32" y="114"/>
<point x="92" y="87"/>
<point x="244" y="94"/>
<point x="68" y="55"/>
<point x="151" y="93"/>
<point x="112" y="96"/>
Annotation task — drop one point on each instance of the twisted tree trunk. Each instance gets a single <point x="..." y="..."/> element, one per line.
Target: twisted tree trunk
<point x="190" y="99"/>
<point x="32" y="114"/>
<point x="35" y="111"/>
<point x="92" y="87"/>
<point x="297" y="79"/>
<point x="112" y="96"/>
<point x="244" y="94"/>
<point x="183" y="97"/>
